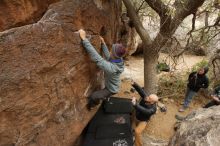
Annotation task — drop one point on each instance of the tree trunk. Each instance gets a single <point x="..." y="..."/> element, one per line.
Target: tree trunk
<point x="151" y="55"/>
<point x="168" y="26"/>
<point x="150" y="72"/>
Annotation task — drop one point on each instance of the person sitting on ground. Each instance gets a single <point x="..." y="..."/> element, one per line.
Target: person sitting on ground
<point x="112" y="66"/>
<point x="215" y="98"/>
<point x="215" y="101"/>
<point x="144" y="110"/>
<point x="196" y="81"/>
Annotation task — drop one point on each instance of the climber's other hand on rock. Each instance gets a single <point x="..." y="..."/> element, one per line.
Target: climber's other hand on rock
<point x="82" y="34"/>
<point x="102" y="39"/>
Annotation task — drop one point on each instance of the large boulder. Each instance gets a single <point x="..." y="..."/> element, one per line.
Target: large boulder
<point x="200" y="128"/>
<point x="46" y="75"/>
<point x="20" y="12"/>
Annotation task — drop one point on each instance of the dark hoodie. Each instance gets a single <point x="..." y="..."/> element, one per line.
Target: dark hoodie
<point x="197" y="81"/>
<point x="143" y="110"/>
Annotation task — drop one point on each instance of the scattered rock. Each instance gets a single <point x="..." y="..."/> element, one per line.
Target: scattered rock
<point x="200" y="128"/>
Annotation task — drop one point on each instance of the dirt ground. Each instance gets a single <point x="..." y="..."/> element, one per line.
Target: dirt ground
<point x="161" y="125"/>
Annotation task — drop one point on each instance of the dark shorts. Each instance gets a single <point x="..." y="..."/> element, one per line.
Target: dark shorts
<point x="96" y="96"/>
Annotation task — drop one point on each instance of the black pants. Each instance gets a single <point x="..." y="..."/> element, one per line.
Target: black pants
<point x="211" y="103"/>
<point x="96" y="96"/>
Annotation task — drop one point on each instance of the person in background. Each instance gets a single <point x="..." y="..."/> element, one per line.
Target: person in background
<point x="196" y="81"/>
<point x="144" y="110"/>
<point x="215" y="98"/>
<point x="215" y="101"/>
<point x="112" y="65"/>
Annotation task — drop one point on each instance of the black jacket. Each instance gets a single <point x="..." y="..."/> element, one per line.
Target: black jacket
<point x="196" y="81"/>
<point x="143" y="110"/>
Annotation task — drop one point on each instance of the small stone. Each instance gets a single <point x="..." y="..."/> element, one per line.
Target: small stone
<point x="126" y="92"/>
<point x="171" y="100"/>
<point x="126" y="79"/>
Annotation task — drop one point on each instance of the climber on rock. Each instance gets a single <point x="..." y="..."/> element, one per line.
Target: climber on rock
<point x="112" y="65"/>
<point x="144" y="110"/>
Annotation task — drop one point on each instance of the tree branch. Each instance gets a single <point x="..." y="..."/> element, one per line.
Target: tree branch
<point x="215" y="64"/>
<point x="206" y="18"/>
<point x="217" y="20"/>
<point x="142" y="3"/>
<point x="193" y="24"/>
<point x="158" y="6"/>
<point x="187" y="8"/>
<point x="137" y="23"/>
<point x="217" y="4"/>
<point x="184" y="10"/>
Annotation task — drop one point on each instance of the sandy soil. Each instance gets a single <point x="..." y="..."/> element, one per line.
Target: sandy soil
<point x="161" y="125"/>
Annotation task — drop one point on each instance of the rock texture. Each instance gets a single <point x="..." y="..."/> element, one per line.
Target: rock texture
<point x="20" y="12"/>
<point x="201" y="128"/>
<point x="46" y="75"/>
<point x="150" y="141"/>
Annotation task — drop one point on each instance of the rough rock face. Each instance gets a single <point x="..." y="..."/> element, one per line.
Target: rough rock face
<point x="46" y="75"/>
<point x="201" y="128"/>
<point x="150" y="141"/>
<point x="19" y="12"/>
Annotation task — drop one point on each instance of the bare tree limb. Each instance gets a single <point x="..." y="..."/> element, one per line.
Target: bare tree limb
<point x="217" y="4"/>
<point x="138" y="9"/>
<point x="201" y="12"/>
<point x="137" y="23"/>
<point x="193" y="23"/>
<point x="187" y="8"/>
<point x="158" y="6"/>
<point x="211" y="38"/>
<point x="206" y="18"/>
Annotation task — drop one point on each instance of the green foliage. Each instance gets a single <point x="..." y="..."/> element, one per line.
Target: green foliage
<point x="172" y="86"/>
<point x="163" y="67"/>
<point x="198" y="65"/>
